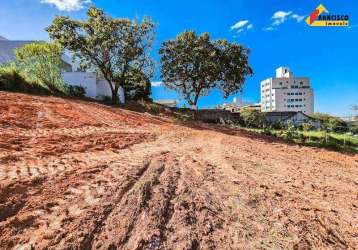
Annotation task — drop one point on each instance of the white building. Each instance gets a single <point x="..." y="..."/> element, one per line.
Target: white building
<point x="167" y="102"/>
<point x="287" y="93"/>
<point x="96" y="87"/>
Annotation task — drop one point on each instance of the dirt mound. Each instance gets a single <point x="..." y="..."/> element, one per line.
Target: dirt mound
<point x="80" y="175"/>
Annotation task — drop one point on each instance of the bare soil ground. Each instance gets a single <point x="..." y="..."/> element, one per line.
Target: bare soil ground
<point x="79" y="175"/>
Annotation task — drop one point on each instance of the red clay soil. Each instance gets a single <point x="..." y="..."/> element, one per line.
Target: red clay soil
<point x="80" y="175"/>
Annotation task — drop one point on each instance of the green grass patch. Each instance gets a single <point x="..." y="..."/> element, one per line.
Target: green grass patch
<point x="322" y="139"/>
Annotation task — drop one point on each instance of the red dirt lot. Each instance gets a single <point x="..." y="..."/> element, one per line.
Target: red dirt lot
<point x="80" y="175"/>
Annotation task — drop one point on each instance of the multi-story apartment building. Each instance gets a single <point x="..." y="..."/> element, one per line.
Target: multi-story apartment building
<point x="287" y="93"/>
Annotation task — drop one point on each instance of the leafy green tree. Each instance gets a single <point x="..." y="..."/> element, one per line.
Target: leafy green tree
<point x="41" y="62"/>
<point x="138" y="87"/>
<point x="193" y="65"/>
<point x="116" y="48"/>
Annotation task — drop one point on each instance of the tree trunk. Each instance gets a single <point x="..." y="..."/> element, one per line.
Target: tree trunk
<point x="196" y="98"/>
<point x="114" y="97"/>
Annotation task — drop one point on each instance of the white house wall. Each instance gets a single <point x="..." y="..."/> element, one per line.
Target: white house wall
<point x="103" y="89"/>
<point x="95" y="87"/>
<point x="86" y="80"/>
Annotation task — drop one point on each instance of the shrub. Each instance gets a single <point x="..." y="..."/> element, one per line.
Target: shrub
<point x="75" y="91"/>
<point x="331" y="123"/>
<point x="253" y="118"/>
<point x="12" y="80"/>
<point x="278" y="125"/>
<point x="151" y="107"/>
<point x="105" y="98"/>
<point x="354" y="129"/>
<point x="291" y="131"/>
<point x="306" y="126"/>
<point x="41" y="63"/>
<point x="268" y="131"/>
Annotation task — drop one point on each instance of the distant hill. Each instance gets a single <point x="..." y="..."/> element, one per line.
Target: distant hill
<point x="2" y="38"/>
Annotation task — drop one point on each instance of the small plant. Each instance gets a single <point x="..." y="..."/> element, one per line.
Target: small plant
<point x="306" y="126"/>
<point x="268" y="131"/>
<point x="291" y="131"/>
<point x="75" y="91"/>
<point x="277" y="125"/>
<point x="105" y="98"/>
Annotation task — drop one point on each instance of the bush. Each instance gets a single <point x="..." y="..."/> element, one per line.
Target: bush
<point x="306" y="126"/>
<point x="354" y="130"/>
<point x="105" y="98"/>
<point x="253" y="118"/>
<point x="291" y="132"/>
<point x="278" y="125"/>
<point x="331" y="123"/>
<point x="75" y="91"/>
<point x="41" y="63"/>
<point x="268" y="131"/>
<point x="152" y="107"/>
<point x="12" y="80"/>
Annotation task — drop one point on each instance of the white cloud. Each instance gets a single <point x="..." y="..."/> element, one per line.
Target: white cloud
<point x="281" y="14"/>
<point x="298" y="18"/>
<point x="239" y="25"/>
<point x="270" y="28"/>
<point x="156" y="84"/>
<point x="67" y="5"/>
<point x="250" y="26"/>
<point x="242" y="25"/>
<point x="280" y="17"/>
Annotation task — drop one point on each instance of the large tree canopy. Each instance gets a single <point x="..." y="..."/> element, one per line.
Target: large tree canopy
<point x="116" y="48"/>
<point x="192" y="65"/>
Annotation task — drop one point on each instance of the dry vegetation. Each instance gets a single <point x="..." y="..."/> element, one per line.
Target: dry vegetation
<point x="79" y="175"/>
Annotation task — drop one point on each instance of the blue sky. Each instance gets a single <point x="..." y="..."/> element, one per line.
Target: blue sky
<point x="329" y="56"/>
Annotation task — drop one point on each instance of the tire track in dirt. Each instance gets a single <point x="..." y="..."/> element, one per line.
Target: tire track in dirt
<point x="130" y="207"/>
<point x="13" y="197"/>
<point x="88" y="241"/>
